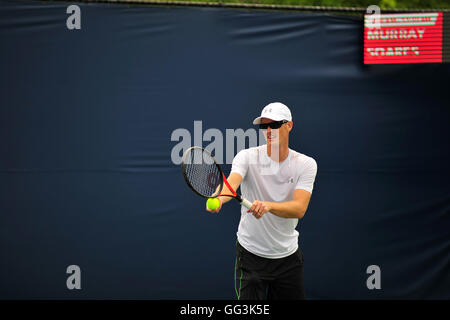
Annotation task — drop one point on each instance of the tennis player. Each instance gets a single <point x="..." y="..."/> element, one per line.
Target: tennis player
<point x="279" y="182"/>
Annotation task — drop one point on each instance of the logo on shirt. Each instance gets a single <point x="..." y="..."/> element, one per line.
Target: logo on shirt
<point x="291" y="180"/>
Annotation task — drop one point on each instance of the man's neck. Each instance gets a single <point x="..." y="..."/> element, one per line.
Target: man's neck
<point x="278" y="153"/>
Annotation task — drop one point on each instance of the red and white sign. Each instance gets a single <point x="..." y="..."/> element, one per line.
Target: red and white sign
<point x="403" y="38"/>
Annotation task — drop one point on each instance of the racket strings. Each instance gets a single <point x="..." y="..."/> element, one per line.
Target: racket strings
<point x="202" y="173"/>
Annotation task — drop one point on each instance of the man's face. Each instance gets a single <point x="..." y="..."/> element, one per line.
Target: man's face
<point x="277" y="137"/>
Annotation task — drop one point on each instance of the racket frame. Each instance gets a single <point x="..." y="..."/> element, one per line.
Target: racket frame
<point x="223" y="180"/>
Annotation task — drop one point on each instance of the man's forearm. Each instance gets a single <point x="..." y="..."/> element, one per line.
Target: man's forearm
<point x="287" y="209"/>
<point x="234" y="180"/>
<point x="224" y="199"/>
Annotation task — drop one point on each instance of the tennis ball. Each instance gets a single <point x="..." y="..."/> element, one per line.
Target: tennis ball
<point x="213" y="203"/>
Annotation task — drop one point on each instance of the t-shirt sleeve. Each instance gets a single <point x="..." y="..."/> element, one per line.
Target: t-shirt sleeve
<point x="306" y="179"/>
<point x="240" y="163"/>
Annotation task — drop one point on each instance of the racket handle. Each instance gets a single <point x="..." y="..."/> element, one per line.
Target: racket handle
<point x="246" y="203"/>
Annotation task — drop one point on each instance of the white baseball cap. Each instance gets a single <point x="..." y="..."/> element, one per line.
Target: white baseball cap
<point x="275" y="111"/>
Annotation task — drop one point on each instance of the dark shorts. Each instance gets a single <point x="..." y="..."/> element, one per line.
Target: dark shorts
<point x="258" y="278"/>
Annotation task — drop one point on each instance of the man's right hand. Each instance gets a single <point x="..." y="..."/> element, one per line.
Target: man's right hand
<point x="234" y="180"/>
<point x="218" y="209"/>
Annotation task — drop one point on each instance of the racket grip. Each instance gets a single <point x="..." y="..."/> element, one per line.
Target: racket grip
<point x="246" y="203"/>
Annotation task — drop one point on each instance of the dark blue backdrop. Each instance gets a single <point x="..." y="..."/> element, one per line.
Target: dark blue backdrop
<point x="86" y="177"/>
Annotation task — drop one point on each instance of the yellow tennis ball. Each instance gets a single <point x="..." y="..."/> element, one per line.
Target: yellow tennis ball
<point x="213" y="203"/>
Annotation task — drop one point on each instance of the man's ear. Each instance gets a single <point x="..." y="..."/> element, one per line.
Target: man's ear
<point x="290" y="125"/>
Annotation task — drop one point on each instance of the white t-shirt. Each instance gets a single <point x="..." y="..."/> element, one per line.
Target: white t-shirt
<point x="267" y="180"/>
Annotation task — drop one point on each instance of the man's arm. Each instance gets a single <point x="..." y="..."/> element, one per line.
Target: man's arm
<point x="296" y="208"/>
<point x="234" y="180"/>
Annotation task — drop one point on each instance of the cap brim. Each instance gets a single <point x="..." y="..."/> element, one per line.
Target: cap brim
<point x="258" y="120"/>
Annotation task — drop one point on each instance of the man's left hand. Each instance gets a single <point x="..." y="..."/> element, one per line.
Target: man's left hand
<point x="259" y="208"/>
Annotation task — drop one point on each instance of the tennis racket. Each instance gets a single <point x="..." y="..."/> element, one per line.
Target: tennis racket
<point x="205" y="176"/>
